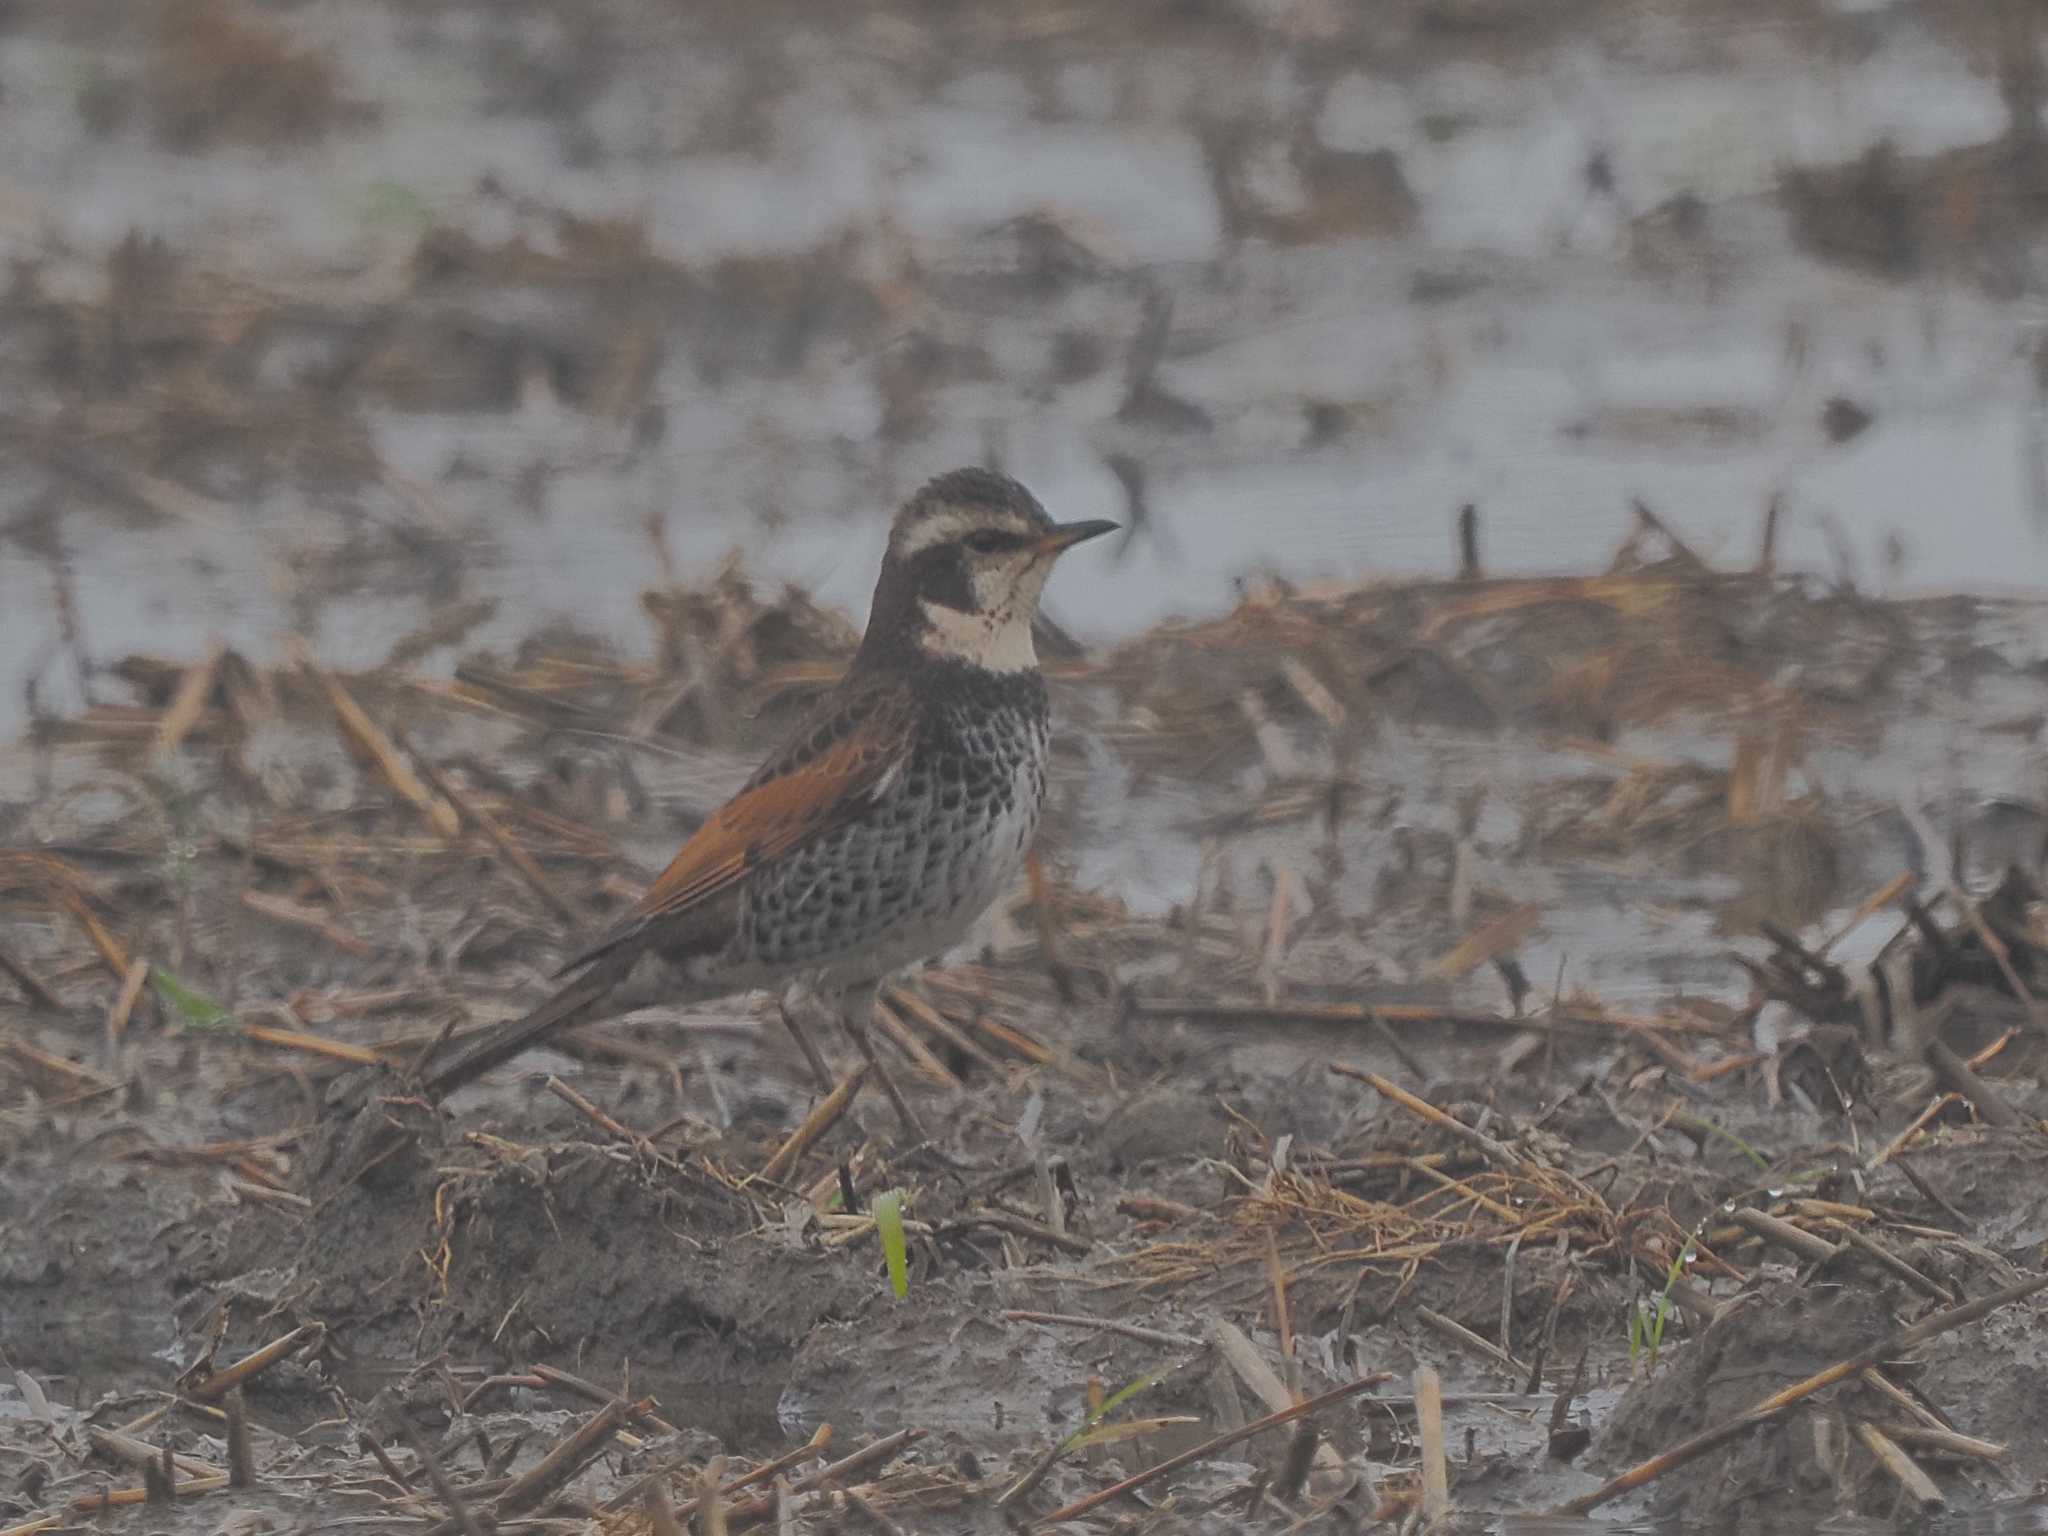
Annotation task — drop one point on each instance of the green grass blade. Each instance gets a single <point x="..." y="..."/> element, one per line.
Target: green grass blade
<point x="1111" y="1403"/>
<point x="889" y="1222"/>
<point x="195" y="1010"/>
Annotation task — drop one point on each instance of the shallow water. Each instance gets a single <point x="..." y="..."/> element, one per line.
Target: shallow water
<point x="1513" y="325"/>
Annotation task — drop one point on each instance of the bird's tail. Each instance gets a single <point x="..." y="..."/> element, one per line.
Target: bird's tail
<point x="590" y="996"/>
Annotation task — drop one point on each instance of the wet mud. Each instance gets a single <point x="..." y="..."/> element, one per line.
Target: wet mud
<point x="1600" y="986"/>
<point x="1427" y="1033"/>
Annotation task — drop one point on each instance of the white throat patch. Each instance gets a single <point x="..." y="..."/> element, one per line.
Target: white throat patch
<point x="999" y="642"/>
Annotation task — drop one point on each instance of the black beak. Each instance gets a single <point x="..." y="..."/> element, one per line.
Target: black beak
<point x="1067" y="535"/>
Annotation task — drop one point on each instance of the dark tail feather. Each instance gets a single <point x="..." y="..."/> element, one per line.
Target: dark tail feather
<point x="606" y="943"/>
<point x="577" y="1003"/>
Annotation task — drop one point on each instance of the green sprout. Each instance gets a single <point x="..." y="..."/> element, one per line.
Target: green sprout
<point x="1707" y="1127"/>
<point x="194" y="1009"/>
<point x="1646" y="1323"/>
<point x="889" y="1222"/>
<point x="1087" y="1434"/>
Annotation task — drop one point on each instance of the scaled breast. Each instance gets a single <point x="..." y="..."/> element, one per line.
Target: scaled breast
<point x="944" y="839"/>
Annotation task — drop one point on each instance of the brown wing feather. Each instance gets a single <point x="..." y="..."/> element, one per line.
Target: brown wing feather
<point x="817" y="783"/>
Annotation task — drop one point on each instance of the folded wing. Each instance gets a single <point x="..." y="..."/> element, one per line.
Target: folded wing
<point x="829" y="775"/>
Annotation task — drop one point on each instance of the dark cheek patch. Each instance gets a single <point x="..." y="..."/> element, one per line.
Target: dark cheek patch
<point x="942" y="577"/>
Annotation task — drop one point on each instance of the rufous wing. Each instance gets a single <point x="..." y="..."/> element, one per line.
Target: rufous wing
<point x="828" y="776"/>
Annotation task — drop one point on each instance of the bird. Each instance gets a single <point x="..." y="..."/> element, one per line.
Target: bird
<point x="901" y="805"/>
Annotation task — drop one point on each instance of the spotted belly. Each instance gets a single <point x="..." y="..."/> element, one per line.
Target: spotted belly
<point x="905" y="881"/>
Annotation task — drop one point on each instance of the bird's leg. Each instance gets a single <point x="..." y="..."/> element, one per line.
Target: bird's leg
<point x="855" y="1009"/>
<point x="820" y="1073"/>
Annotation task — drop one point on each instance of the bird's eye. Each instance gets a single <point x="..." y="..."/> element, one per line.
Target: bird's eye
<point x="987" y="541"/>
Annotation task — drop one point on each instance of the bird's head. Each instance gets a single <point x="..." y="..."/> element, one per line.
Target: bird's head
<point x="968" y="556"/>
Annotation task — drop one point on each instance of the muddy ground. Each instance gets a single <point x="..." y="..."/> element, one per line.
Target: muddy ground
<point x="1658" y="880"/>
<point x="1618" y="994"/>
